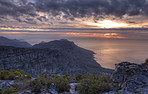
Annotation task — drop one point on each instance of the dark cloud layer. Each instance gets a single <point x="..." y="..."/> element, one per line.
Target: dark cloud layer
<point x="87" y="8"/>
<point x="9" y="7"/>
<point x="74" y="8"/>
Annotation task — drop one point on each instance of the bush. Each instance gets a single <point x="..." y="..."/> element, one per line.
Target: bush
<point x="10" y="90"/>
<point x="93" y="84"/>
<point x="4" y="74"/>
<point x="79" y="77"/>
<point x="11" y="76"/>
<point x="28" y="76"/>
<point x="67" y="76"/>
<point x="62" y="84"/>
<point x="17" y="73"/>
<point x="36" y="85"/>
<point x="49" y="83"/>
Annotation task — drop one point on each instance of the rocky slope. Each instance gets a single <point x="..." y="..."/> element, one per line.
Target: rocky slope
<point x="131" y="78"/>
<point x="13" y="42"/>
<point x="56" y="57"/>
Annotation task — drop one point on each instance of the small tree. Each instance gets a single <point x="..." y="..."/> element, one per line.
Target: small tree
<point x="62" y="84"/>
<point x="36" y="85"/>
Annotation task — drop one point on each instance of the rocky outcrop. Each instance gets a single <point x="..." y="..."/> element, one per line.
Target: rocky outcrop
<point x="56" y="57"/>
<point x="52" y="89"/>
<point x="131" y="78"/>
<point x="13" y="42"/>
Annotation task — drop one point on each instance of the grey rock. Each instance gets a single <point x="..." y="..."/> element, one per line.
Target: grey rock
<point x="52" y="89"/>
<point x="26" y="92"/>
<point x="73" y="87"/>
<point x="5" y="85"/>
<point x="131" y="77"/>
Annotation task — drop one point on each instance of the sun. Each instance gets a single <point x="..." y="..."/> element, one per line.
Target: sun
<point x="108" y="24"/>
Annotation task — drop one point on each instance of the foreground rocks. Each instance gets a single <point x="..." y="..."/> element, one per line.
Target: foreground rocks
<point x="130" y="78"/>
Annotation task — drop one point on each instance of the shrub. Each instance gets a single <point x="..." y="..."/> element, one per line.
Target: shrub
<point x="66" y="76"/>
<point x="17" y="73"/>
<point x="10" y="90"/>
<point x="36" y="85"/>
<point x="28" y="76"/>
<point x="49" y="83"/>
<point x="4" y="74"/>
<point x="62" y="84"/>
<point x="93" y="84"/>
<point x="79" y="77"/>
<point x="11" y="76"/>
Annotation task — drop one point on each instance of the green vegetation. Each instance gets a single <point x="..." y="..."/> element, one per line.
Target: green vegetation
<point x="36" y="85"/>
<point x="79" y="77"/>
<point x="13" y="75"/>
<point x="62" y="84"/>
<point x="10" y="90"/>
<point x="91" y="84"/>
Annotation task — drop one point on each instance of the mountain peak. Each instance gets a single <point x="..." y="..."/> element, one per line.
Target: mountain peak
<point x="57" y="44"/>
<point x="13" y="42"/>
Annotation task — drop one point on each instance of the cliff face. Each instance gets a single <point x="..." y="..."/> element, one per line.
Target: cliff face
<point x="13" y="42"/>
<point x="56" y="57"/>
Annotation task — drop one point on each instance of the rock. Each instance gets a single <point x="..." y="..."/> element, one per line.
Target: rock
<point x="52" y="89"/>
<point x="25" y="92"/>
<point x="73" y="87"/>
<point x="131" y="77"/>
<point x="5" y="85"/>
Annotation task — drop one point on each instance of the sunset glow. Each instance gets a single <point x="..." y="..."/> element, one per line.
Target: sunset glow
<point x="108" y="24"/>
<point x="106" y="35"/>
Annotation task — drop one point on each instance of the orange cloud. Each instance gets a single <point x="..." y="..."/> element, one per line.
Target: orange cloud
<point x="106" y="35"/>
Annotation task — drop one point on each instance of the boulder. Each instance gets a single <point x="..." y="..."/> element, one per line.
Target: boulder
<point x="130" y="77"/>
<point x="52" y="89"/>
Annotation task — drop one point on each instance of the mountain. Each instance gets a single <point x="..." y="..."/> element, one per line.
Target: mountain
<point x="13" y="42"/>
<point x="55" y="57"/>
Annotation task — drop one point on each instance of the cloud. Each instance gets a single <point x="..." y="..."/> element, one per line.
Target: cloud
<point x="95" y="8"/>
<point x="15" y="9"/>
<point x="71" y="9"/>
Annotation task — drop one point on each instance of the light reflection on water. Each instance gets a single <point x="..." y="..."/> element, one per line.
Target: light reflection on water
<point x="110" y="52"/>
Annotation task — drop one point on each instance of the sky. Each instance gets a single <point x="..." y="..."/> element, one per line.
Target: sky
<point x="71" y="16"/>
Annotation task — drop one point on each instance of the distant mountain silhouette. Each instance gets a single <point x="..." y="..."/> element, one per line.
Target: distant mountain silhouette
<point x="55" y="57"/>
<point x="13" y="42"/>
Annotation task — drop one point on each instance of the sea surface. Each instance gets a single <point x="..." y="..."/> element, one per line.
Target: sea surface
<point x="111" y="52"/>
<point x="111" y="46"/>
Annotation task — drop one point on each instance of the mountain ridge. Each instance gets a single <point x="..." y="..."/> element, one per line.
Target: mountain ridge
<point x="13" y="42"/>
<point x="55" y="57"/>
